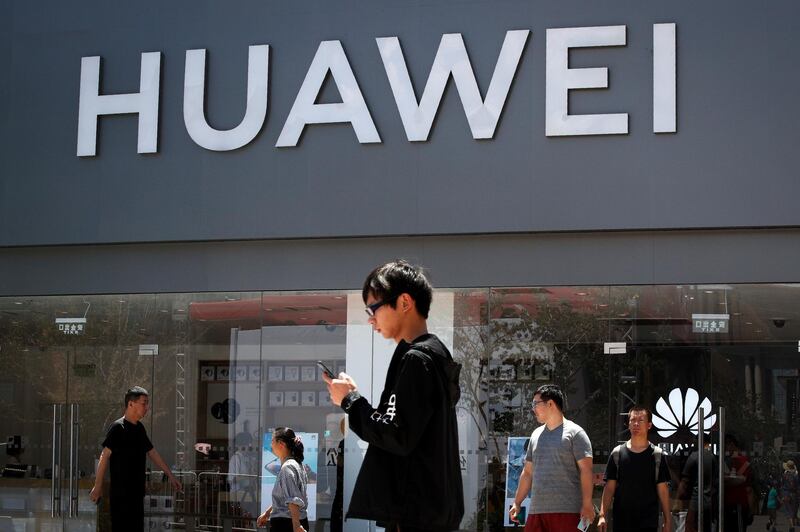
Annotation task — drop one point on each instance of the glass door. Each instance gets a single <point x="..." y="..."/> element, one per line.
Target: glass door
<point x="32" y="398"/>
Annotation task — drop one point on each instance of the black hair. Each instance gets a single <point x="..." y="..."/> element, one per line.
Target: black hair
<point x="551" y="392"/>
<point x="640" y="408"/>
<point x="133" y="394"/>
<point x="292" y="442"/>
<point x="388" y="282"/>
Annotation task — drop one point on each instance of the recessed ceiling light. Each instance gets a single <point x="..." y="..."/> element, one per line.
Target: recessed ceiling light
<point x="17" y="302"/>
<point x="758" y="330"/>
<point x="580" y="293"/>
<point x="709" y="291"/>
<point x="748" y="323"/>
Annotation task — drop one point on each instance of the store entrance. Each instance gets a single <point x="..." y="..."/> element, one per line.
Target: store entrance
<point x="66" y="377"/>
<point x="746" y="417"/>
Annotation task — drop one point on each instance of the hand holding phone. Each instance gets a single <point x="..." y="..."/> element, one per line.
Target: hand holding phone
<point x="325" y="369"/>
<point x="583" y="524"/>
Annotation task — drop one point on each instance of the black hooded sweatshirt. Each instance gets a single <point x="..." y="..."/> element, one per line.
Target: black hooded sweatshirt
<point x="411" y="474"/>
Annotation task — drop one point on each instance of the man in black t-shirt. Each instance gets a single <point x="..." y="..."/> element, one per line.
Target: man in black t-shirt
<point x="126" y="448"/>
<point x="636" y="480"/>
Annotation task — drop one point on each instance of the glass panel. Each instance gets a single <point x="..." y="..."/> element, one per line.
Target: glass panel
<point x="471" y="350"/>
<point x="756" y="379"/>
<point x="32" y="396"/>
<point x="208" y="375"/>
<point x="300" y="329"/>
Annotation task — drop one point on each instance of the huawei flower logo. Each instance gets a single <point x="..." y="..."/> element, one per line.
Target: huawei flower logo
<point x="681" y="412"/>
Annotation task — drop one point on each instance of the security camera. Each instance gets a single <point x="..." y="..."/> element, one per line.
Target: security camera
<point x="778" y="322"/>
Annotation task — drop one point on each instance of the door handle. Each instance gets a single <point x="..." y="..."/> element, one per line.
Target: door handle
<point x="701" y="429"/>
<point x="721" y="470"/>
<point x="74" y="447"/>
<point x="55" y="464"/>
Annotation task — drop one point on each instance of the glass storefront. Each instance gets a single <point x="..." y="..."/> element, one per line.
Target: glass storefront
<point x="224" y="369"/>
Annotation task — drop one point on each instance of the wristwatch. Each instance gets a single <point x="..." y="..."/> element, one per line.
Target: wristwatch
<point x="349" y="399"/>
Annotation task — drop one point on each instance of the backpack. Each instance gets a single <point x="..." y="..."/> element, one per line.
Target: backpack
<point x="658" y="452"/>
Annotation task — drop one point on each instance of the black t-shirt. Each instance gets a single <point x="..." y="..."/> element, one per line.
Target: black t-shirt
<point x="129" y="446"/>
<point x="710" y="469"/>
<point x="636" y="497"/>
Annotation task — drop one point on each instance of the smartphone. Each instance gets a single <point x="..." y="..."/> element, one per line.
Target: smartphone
<point x="326" y="369"/>
<point x="521" y="515"/>
<point x="583" y="525"/>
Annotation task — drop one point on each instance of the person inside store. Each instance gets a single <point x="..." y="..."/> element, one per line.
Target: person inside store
<point x="790" y="484"/>
<point x="126" y="448"/>
<point x="637" y="476"/>
<point x="558" y="469"/>
<point x="410" y="478"/>
<point x="738" y="487"/>
<point x="687" y="490"/>
<point x="243" y="473"/>
<point x="289" y="509"/>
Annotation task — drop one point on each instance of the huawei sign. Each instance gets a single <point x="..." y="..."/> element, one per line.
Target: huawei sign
<point x="680" y="413"/>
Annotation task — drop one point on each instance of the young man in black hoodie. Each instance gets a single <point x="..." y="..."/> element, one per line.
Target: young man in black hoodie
<point x="410" y="479"/>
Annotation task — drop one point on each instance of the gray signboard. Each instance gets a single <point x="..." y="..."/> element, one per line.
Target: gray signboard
<point x="312" y="118"/>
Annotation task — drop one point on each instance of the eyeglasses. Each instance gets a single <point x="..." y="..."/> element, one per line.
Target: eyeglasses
<point x="373" y="308"/>
<point x="536" y="403"/>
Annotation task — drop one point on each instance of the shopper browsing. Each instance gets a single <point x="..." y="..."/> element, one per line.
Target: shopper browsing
<point x="289" y="509"/>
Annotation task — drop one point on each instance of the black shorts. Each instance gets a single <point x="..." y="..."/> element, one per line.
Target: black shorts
<point x="127" y="514"/>
<point x="284" y="524"/>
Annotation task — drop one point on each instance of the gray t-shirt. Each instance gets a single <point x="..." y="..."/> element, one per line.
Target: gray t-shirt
<point x="556" y="486"/>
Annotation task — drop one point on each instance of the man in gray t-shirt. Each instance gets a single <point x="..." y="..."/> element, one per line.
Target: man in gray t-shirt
<point x="558" y="469"/>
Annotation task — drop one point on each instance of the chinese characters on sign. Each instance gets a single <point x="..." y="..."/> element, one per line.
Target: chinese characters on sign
<point x="71" y="326"/>
<point x="710" y="323"/>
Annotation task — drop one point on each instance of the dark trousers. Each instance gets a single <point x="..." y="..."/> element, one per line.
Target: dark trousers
<point x="398" y="527"/>
<point x="127" y="514"/>
<point x="284" y="524"/>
